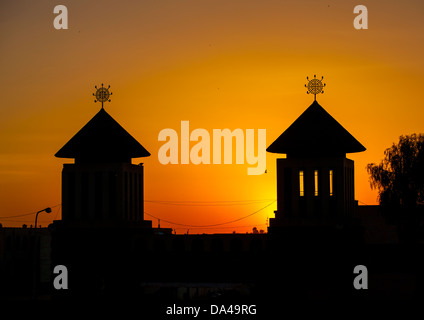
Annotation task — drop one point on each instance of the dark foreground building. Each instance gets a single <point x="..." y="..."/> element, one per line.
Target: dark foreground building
<point x="111" y="252"/>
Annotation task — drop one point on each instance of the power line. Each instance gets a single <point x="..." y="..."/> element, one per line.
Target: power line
<point x="363" y="202"/>
<point x="20" y="221"/>
<point x="228" y="227"/>
<point x="19" y="215"/>
<point x="183" y="203"/>
<point x="208" y="203"/>
<point x="209" y="225"/>
<point x="172" y="203"/>
<point x="25" y="214"/>
<point x="57" y="211"/>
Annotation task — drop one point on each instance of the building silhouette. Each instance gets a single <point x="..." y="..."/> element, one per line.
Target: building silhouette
<point x="315" y="182"/>
<point x="103" y="187"/>
<point x="319" y="233"/>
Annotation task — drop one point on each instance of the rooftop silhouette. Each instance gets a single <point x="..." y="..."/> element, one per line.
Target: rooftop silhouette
<point x="102" y="139"/>
<point x="315" y="132"/>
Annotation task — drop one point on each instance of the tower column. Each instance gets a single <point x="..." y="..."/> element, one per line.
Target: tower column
<point x="315" y="182"/>
<point x="103" y="187"/>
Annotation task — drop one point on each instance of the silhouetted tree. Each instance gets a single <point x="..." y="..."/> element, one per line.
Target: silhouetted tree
<point x="399" y="179"/>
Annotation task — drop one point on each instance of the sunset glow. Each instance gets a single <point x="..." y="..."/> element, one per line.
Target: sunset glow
<point x="217" y="64"/>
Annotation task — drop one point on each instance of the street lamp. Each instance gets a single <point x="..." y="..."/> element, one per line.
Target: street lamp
<point x="36" y="253"/>
<point x="48" y="210"/>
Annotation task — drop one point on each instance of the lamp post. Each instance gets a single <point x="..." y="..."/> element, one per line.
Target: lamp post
<point x="35" y="253"/>
<point x="48" y="210"/>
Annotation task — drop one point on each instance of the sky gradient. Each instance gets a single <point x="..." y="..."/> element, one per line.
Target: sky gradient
<point x="218" y="64"/>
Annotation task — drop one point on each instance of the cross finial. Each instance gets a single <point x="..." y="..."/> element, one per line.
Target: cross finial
<point x="315" y="86"/>
<point x="102" y="94"/>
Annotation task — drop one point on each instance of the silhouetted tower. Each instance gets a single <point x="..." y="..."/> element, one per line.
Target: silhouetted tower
<point x="103" y="187"/>
<point x="315" y="182"/>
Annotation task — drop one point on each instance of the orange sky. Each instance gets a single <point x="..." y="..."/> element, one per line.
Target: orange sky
<point x="218" y="64"/>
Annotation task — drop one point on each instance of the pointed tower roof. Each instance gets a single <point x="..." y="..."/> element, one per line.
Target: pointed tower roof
<point x="315" y="132"/>
<point x="102" y="139"/>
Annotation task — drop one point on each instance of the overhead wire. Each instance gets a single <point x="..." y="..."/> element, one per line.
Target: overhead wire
<point x="208" y="203"/>
<point x="26" y="214"/>
<point x="182" y="203"/>
<point x="227" y="227"/>
<point x="210" y="225"/>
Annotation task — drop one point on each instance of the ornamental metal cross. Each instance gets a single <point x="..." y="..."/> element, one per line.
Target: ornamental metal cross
<point x="315" y="86"/>
<point x="102" y="94"/>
